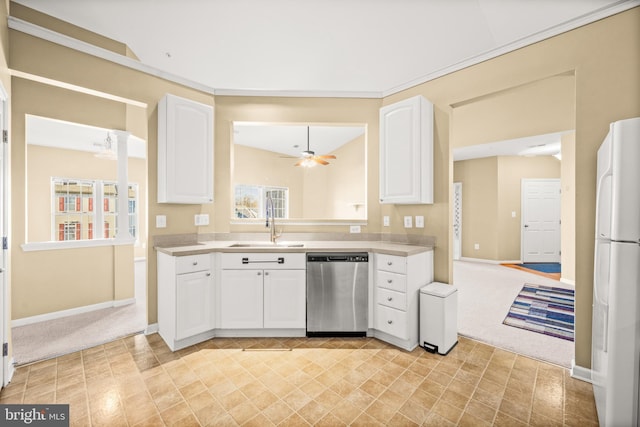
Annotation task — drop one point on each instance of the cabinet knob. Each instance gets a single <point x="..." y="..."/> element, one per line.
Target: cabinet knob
<point x="389" y="263"/>
<point x="259" y="273"/>
<point x="389" y="299"/>
<point x="195" y="263"/>
<point x="389" y="321"/>
<point x="208" y="274"/>
<point x="389" y="281"/>
<point x="266" y="273"/>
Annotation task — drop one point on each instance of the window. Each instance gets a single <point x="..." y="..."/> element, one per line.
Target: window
<point x="251" y="201"/>
<point x="74" y="216"/>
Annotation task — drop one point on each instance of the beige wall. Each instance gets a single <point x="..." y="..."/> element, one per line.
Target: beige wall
<point x="605" y="58"/>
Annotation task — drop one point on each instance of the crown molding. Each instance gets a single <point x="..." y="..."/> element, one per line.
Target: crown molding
<point x="604" y="12"/>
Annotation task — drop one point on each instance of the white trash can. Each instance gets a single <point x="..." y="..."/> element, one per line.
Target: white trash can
<point x="438" y="317"/>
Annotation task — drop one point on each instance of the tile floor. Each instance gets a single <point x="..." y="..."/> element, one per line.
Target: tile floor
<point x="138" y="381"/>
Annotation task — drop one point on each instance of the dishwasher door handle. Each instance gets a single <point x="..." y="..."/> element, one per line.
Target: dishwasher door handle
<point x="280" y="260"/>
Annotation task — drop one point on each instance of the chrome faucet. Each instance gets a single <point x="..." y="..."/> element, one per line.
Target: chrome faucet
<point x="271" y="225"/>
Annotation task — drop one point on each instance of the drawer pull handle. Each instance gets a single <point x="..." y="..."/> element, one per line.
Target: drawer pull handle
<point x="389" y="299"/>
<point x="389" y="321"/>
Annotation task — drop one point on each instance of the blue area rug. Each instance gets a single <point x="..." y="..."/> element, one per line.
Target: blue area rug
<point x="544" y="309"/>
<point x="544" y="267"/>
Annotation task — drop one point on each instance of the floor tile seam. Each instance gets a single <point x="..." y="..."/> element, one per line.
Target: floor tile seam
<point x="475" y="388"/>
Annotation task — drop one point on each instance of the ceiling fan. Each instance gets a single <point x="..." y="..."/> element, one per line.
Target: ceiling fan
<point x="309" y="159"/>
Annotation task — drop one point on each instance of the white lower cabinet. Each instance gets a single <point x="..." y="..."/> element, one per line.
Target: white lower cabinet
<point x="398" y="281"/>
<point x="260" y="291"/>
<point x="185" y="299"/>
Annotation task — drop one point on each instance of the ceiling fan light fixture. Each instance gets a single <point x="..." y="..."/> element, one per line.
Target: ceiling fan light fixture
<point x="309" y="159"/>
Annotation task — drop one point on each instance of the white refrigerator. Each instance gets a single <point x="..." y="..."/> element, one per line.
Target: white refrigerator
<point x="615" y="348"/>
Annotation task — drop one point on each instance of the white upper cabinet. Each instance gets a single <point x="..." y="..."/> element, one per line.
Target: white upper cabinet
<point x="406" y="152"/>
<point x="185" y="151"/>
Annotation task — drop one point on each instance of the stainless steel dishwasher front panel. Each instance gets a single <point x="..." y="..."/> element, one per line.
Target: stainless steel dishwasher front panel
<point x="337" y="294"/>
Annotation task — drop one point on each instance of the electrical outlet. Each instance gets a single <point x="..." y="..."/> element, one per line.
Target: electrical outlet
<point x="419" y="221"/>
<point x="201" y="219"/>
<point x="476" y="246"/>
<point x="161" y="221"/>
<point x="385" y="220"/>
<point x="354" y="229"/>
<point x="408" y="223"/>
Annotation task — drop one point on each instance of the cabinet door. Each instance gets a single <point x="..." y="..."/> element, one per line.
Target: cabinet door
<point x="185" y="151"/>
<point x="406" y="152"/>
<point x="194" y="305"/>
<point x="284" y="299"/>
<point x="241" y="295"/>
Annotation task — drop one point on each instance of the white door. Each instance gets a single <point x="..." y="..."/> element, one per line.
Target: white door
<point x="285" y="299"/>
<point x="457" y="220"/>
<point x="540" y="220"/>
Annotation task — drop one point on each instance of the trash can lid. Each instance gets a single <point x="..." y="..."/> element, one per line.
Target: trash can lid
<point x="439" y="289"/>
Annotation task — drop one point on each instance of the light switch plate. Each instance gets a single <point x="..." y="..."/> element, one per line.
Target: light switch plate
<point x="354" y="229"/>
<point x="161" y="221"/>
<point x="408" y="222"/>
<point x="385" y="220"/>
<point x="202" y="219"/>
<point x="513" y="214"/>
<point x="476" y="246"/>
<point x="419" y="221"/>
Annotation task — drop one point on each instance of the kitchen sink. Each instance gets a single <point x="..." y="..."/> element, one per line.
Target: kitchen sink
<point x="266" y="245"/>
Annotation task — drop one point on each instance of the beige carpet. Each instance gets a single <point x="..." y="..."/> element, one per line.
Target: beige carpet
<point x="485" y="293"/>
<point x="44" y="340"/>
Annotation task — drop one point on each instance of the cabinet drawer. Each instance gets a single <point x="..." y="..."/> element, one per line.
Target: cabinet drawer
<point x="392" y="299"/>
<point x="191" y="263"/>
<point x="264" y="260"/>
<point x="393" y="281"/>
<point x="391" y="321"/>
<point x="392" y="263"/>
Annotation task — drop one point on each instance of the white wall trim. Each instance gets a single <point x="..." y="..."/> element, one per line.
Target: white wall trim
<point x="63" y="40"/>
<point x="11" y="369"/>
<point x="580" y="21"/>
<point x="70" y="312"/>
<point x="568" y="282"/>
<point x="151" y="329"/>
<point x="490" y="261"/>
<point x="580" y="373"/>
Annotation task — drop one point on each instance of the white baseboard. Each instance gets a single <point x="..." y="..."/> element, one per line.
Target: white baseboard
<point x="70" y="312"/>
<point x="151" y="329"/>
<point x="580" y="373"/>
<point x="490" y="261"/>
<point x="11" y="369"/>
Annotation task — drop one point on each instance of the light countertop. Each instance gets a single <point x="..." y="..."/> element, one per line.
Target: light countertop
<point x="389" y="248"/>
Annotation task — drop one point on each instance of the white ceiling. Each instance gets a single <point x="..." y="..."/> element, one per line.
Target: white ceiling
<point x="291" y="140"/>
<point x="74" y="136"/>
<point x="367" y="47"/>
<point x="539" y="145"/>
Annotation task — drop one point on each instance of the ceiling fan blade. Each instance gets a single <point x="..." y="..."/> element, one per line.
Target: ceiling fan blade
<point x="320" y="161"/>
<point x="299" y="162"/>
<point x="326" y="156"/>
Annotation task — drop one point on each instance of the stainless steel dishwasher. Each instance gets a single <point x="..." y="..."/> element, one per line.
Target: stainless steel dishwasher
<point x="337" y="294"/>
